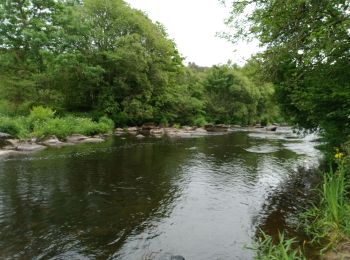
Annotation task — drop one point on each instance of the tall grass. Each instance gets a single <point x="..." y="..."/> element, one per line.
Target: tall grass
<point x="329" y="222"/>
<point x="284" y="249"/>
<point x="42" y="122"/>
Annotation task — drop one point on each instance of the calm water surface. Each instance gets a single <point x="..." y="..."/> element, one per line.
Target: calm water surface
<point x="202" y="198"/>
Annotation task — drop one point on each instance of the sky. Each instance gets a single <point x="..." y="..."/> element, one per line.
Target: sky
<point x="193" y="24"/>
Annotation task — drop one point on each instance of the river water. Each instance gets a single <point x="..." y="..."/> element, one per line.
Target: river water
<point x="202" y="198"/>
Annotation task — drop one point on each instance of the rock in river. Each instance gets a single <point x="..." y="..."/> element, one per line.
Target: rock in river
<point x="51" y="141"/>
<point x="5" y="136"/>
<point x="28" y="147"/>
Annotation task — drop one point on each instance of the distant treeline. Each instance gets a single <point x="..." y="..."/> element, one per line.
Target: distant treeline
<point x="103" y="58"/>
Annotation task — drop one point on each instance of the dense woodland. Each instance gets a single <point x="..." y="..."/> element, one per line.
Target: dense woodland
<point x="102" y="58"/>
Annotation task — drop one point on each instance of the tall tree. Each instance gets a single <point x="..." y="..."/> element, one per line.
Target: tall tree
<point x="307" y="56"/>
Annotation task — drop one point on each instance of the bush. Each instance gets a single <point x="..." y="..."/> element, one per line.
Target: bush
<point x="105" y="125"/>
<point x="60" y="127"/>
<point x="40" y="113"/>
<point x="200" y="121"/>
<point x="15" y="126"/>
<point x="264" y="121"/>
<point x="63" y="127"/>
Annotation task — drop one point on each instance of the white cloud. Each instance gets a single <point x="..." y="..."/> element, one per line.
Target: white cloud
<point x="193" y="25"/>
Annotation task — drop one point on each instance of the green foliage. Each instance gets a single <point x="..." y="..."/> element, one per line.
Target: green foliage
<point x="40" y="113"/>
<point x="60" y="127"/>
<point x="42" y="123"/>
<point x="200" y="122"/>
<point x="15" y="126"/>
<point x="284" y="249"/>
<point x="63" y="127"/>
<point x="104" y="58"/>
<point x="234" y="95"/>
<point x="329" y="222"/>
<point x="306" y="56"/>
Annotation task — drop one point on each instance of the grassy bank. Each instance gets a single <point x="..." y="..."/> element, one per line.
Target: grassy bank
<point x="42" y="122"/>
<point x="327" y="223"/>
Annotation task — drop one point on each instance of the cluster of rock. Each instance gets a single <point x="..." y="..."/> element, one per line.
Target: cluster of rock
<point x="157" y="131"/>
<point x="185" y="131"/>
<point x="10" y="145"/>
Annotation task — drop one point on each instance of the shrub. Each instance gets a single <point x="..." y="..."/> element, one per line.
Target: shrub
<point x="63" y="127"/>
<point x="15" y="126"/>
<point x="40" y="113"/>
<point x="105" y="125"/>
<point x="177" y="126"/>
<point x="60" y="127"/>
<point x="200" y="121"/>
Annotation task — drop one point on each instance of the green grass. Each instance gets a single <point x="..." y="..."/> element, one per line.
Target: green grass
<point x="42" y="122"/>
<point x="284" y="249"/>
<point x="329" y="222"/>
<point x="15" y="126"/>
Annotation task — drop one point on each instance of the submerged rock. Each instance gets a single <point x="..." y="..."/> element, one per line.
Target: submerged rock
<point x="93" y="140"/>
<point x="10" y="144"/>
<point x="119" y="131"/>
<point x="28" y="147"/>
<point x="76" y="138"/>
<point x="157" y="132"/>
<point x="217" y="128"/>
<point x="51" y="141"/>
<point x="140" y="136"/>
<point x="6" y="152"/>
<point x="133" y="130"/>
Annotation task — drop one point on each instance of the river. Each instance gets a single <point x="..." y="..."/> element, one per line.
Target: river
<point x="202" y="198"/>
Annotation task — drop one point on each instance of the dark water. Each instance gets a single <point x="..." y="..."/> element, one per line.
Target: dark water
<point x="202" y="198"/>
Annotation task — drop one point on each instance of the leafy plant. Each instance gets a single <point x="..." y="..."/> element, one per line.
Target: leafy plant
<point x="40" y="113"/>
<point x="284" y="249"/>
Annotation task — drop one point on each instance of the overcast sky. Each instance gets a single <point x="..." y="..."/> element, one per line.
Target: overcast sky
<point x="193" y="25"/>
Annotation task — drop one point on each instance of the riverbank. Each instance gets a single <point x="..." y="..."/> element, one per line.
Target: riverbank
<point x="9" y="145"/>
<point x="325" y="222"/>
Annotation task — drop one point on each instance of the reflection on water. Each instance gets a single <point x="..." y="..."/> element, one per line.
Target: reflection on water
<point x="202" y="198"/>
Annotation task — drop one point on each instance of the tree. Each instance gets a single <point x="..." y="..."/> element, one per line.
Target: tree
<point x="230" y="96"/>
<point x="307" y="56"/>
